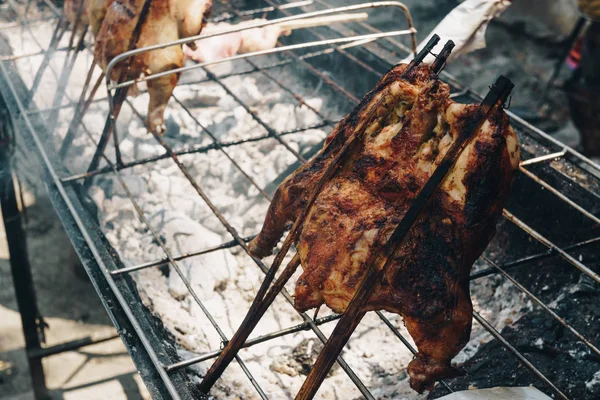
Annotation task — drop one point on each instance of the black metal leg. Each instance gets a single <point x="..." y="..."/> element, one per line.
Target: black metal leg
<point x="33" y="323"/>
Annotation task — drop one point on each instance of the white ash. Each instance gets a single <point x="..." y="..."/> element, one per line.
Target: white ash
<point x="227" y="280"/>
<point x="594" y="381"/>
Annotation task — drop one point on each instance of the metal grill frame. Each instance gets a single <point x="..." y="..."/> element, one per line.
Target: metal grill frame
<point x="115" y="286"/>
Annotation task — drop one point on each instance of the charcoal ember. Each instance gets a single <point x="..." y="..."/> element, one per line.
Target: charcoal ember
<point x="565" y="361"/>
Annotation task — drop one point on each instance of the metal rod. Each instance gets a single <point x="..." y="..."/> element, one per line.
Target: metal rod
<point x="535" y="257"/>
<point x="165" y="261"/>
<point x="537" y="236"/>
<point x="32" y="322"/>
<point x="80" y="110"/>
<point x="134" y="52"/>
<point x="540" y="303"/>
<point x="518" y="354"/>
<point x="546" y="157"/>
<point x="305" y="326"/>
<point x="14" y="57"/>
<point x="191" y="150"/>
<point x="29" y="22"/>
<point x="67" y="67"/>
<point x="59" y="31"/>
<point x="258" y="53"/>
<point x="558" y="194"/>
<point x="70" y="346"/>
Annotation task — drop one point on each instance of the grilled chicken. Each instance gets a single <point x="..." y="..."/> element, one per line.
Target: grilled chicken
<point x="92" y="14"/>
<point x="167" y="20"/>
<point x="354" y="214"/>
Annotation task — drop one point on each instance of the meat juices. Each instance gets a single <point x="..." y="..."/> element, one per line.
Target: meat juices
<point x="359" y="207"/>
<point x="167" y="20"/>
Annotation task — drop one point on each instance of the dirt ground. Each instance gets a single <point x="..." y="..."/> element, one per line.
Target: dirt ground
<point x="71" y="308"/>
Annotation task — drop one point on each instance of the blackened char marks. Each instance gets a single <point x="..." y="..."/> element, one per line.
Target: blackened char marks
<point x="364" y="163"/>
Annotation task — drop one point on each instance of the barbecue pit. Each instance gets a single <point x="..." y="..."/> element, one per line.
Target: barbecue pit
<point x="150" y="225"/>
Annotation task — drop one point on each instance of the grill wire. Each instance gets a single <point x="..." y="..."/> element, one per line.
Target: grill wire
<point x="564" y="153"/>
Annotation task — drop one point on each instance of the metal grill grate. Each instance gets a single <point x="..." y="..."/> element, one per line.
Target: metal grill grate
<point x="550" y="152"/>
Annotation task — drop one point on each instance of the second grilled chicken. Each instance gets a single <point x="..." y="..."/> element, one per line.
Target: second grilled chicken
<point x="167" y="20"/>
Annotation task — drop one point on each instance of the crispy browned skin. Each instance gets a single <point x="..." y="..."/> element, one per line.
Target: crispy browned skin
<point x="167" y="20"/>
<point x="360" y="206"/>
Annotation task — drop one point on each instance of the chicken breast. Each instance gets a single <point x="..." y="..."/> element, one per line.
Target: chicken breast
<point x="359" y="207"/>
<point x="167" y="20"/>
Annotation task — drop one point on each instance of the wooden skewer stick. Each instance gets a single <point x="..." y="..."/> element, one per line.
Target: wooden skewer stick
<point x="251" y="320"/>
<point x="379" y="263"/>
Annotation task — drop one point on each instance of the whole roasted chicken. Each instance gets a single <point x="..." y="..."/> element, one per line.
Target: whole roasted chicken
<point x="415" y="122"/>
<point x="166" y="21"/>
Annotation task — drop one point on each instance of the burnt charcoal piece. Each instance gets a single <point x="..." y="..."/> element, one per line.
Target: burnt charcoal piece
<point x="569" y="364"/>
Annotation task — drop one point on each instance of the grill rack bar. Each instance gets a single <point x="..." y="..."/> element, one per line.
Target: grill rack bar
<point x="540" y="303"/>
<point x="571" y="152"/>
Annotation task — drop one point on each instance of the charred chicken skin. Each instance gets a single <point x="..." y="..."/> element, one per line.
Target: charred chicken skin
<point x="167" y="20"/>
<point x="415" y="124"/>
